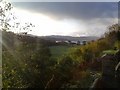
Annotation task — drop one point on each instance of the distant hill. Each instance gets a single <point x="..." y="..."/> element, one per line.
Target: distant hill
<point x="12" y="40"/>
<point x="64" y="38"/>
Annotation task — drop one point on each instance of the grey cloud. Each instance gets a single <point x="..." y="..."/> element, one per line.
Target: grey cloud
<point x="77" y="10"/>
<point x="96" y="16"/>
<point x="99" y="26"/>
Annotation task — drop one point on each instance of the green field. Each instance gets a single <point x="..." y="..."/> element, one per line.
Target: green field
<point x="58" y="51"/>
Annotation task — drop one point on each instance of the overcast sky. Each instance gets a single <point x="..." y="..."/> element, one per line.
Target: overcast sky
<point x="70" y="18"/>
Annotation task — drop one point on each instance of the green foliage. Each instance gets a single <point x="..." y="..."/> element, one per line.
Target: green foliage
<point x="93" y="50"/>
<point x="68" y="64"/>
<point x="84" y="82"/>
<point x="89" y="54"/>
<point x="117" y="44"/>
<point x="24" y="65"/>
<point x="59" y="51"/>
<point x="11" y="69"/>
<point x="64" y="71"/>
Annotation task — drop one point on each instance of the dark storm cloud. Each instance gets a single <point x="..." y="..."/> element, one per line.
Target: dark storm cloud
<point x="75" y="10"/>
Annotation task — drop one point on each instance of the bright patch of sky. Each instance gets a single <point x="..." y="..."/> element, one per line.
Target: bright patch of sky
<point x="65" y="18"/>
